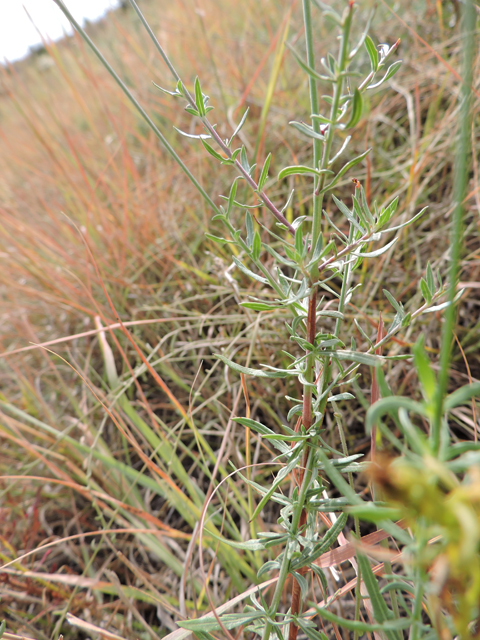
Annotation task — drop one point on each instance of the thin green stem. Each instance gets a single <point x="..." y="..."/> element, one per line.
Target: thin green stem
<point x="296" y="516"/>
<point x="208" y="126"/>
<point x="337" y="94"/>
<point x="317" y="144"/>
<point x="462" y="162"/>
<point x="138" y="106"/>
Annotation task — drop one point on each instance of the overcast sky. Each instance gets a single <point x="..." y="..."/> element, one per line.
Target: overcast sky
<point x="17" y="33"/>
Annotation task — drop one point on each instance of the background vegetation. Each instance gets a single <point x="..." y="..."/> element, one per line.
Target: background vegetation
<point x="109" y="461"/>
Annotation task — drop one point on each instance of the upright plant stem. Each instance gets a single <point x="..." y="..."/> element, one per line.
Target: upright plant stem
<point x="307" y="412"/>
<point x="462" y="161"/>
<point x="317" y="144"/>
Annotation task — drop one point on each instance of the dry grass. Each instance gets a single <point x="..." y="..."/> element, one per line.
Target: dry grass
<point x="93" y="209"/>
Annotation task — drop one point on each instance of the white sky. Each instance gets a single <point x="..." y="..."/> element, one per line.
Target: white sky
<point x="17" y="32"/>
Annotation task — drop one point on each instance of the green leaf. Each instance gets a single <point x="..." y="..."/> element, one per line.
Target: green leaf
<point x="426" y="376"/>
<point x="357" y="106"/>
<point x="373" y="512"/>
<point x="253" y="372"/>
<point x="355" y="356"/>
<point x="212" y="151"/>
<point x="240" y="125"/>
<point x="257" y="246"/>
<point x="200" y="136"/>
<point x="216" y="239"/>
<point x="170" y="93"/>
<point x="320" y="118"/>
<point x="460" y="396"/>
<point x="264" y="175"/>
<point x="229" y="621"/>
<point x="244" y="160"/>
<point x="430" y="279"/>
<point x="391" y="405"/>
<point x="299" y="241"/>
<point x="281" y="475"/>
<point x="250" y="231"/>
<point x="308" y="70"/>
<point x="310" y="630"/>
<point x="377" y="252"/>
<point x="258" y="306"/>
<point x="192" y="111"/>
<point x="407" y="223"/>
<point x="387" y="213"/>
<point x="247" y="271"/>
<point x="248" y="545"/>
<point x="344" y="169"/>
<point x="301" y="170"/>
<point x="392" y="70"/>
<point x="231" y="197"/>
<point x="341" y="396"/>
<point x="381" y="612"/>
<point x="348" y="214"/>
<point x="325" y="543"/>
<point x="307" y="130"/>
<point x="372" y="52"/>
<point x="199" y="98"/>
<point x="425" y="291"/>
<point x="396" y="305"/>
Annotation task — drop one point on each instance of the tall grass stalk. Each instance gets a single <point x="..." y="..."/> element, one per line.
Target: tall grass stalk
<point x="302" y="270"/>
<point x="460" y="180"/>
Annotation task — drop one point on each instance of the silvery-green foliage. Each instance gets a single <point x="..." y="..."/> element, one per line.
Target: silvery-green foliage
<point x="295" y="264"/>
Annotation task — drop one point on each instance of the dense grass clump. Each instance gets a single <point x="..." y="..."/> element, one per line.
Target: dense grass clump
<point x="240" y="357"/>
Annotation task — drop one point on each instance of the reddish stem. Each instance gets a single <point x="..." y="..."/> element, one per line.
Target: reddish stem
<point x="307" y="421"/>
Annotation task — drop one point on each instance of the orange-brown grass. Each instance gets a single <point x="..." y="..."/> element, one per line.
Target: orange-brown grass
<point x="91" y="205"/>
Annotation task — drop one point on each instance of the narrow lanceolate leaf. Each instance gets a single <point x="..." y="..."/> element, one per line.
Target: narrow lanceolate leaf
<point x="408" y="222"/>
<point x="387" y="213"/>
<point x="259" y="306"/>
<point x="170" y="93"/>
<point x="348" y="214"/>
<point x="199" y="98"/>
<point x="396" y="305"/>
<point x="430" y="279"/>
<point x="250" y="231"/>
<point x="377" y="252"/>
<point x="381" y="612"/>
<point x="357" y="106"/>
<point x="192" y="111"/>
<point x="281" y="475"/>
<point x="247" y="271"/>
<point x="212" y="151"/>
<point x="425" y="291"/>
<point x="307" y="558"/>
<point x="311" y="72"/>
<point x="244" y="160"/>
<point x="372" y="52"/>
<point x="264" y="175"/>
<point x="307" y="130"/>
<point x="229" y="621"/>
<point x="200" y="136"/>
<point x="392" y="70"/>
<point x="345" y="168"/>
<point x="216" y="239"/>
<point x="301" y="170"/>
<point x="356" y="356"/>
<point x="341" y="396"/>
<point x="240" y="125"/>
<point x="257" y="246"/>
<point x="462" y="395"/>
<point x="258" y="373"/>
<point x="426" y="376"/>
